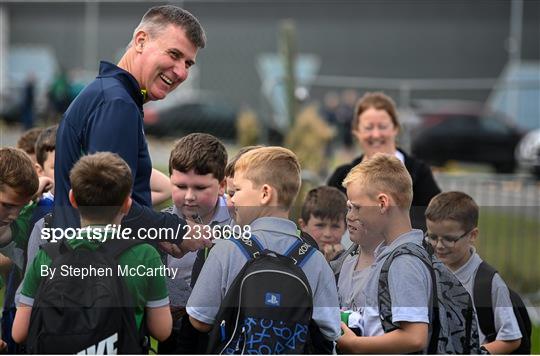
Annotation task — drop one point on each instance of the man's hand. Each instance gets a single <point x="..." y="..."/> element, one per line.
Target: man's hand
<point x="195" y="238"/>
<point x="45" y="184"/>
<point x="190" y="244"/>
<point x="172" y="249"/>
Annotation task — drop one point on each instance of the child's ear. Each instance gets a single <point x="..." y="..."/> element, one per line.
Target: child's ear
<point x="266" y="194"/>
<point x="38" y="168"/>
<point x="72" y="200"/>
<point x="222" y="186"/>
<point x="474" y="235"/>
<point x="302" y="223"/>
<point x="126" y="205"/>
<point x="383" y="202"/>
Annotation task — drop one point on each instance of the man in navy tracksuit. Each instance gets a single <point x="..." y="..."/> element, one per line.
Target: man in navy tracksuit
<point x="108" y="115"/>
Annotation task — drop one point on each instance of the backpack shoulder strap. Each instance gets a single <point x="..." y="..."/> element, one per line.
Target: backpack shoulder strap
<point x="305" y="237"/>
<point x="48" y="220"/>
<point x="337" y="263"/>
<point x="300" y="252"/>
<point x="482" y="299"/>
<point x="115" y="247"/>
<point x="250" y="247"/>
<point x="384" y="300"/>
<point x="524" y="322"/>
<point x="55" y="249"/>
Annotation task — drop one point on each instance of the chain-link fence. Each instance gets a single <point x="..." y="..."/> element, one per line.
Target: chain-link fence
<point x="509" y="223"/>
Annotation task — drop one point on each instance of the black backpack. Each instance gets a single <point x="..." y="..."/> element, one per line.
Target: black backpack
<point x="454" y="327"/>
<point x="268" y="307"/>
<point x="91" y="315"/>
<point x="484" y="309"/>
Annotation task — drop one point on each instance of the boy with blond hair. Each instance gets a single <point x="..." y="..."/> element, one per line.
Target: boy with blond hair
<point x="229" y="174"/>
<point x="266" y="182"/>
<point x="452" y="229"/>
<point x="100" y="190"/>
<point x="354" y="265"/>
<point x="380" y="194"/>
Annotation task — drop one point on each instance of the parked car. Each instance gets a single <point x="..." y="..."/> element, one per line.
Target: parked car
<point x="528" y="152"/>
<point x="10" y="108"/>
<point x="183" y="113"/>
<point x="464" y="131"/>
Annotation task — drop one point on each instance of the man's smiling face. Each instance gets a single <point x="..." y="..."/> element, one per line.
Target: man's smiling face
<point x="164" y="61"/>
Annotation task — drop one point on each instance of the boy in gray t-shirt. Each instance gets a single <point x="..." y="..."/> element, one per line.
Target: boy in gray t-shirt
<point x="356" y="268"/>
<point x="266" y="182"/>
<point x="380" y="195"/>
<point x="452" y="222"/>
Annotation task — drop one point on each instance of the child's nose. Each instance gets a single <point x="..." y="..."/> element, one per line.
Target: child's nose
<point x="190" y="194"/>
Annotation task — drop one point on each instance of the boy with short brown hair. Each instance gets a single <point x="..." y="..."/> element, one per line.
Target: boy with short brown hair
<point x="19" y="184"/>
<point x="100" y="190"/>
<point x="45" y="151"/>
<point x="323" y="218"/>
<point x="27" y="142"/>
<point x="197" y="176"/>
<point x="452" y="229"/>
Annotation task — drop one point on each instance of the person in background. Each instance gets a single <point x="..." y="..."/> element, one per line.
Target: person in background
<point x="376" y="126"/>
<point x="28" y="107"/>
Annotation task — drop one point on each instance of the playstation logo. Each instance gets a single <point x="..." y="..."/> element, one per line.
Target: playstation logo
<point x="272" y="299"/>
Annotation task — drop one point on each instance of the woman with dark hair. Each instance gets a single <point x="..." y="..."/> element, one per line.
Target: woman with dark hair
<point x="375" y="125"/>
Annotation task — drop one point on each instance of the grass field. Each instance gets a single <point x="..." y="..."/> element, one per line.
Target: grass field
<point x="535" y="340"/>
<point x="510" y="242"/>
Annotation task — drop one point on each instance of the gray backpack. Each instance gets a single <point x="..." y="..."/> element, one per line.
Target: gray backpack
<point x="454" y="326"/>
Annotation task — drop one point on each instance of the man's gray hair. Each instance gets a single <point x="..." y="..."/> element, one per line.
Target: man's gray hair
<point x="158" y="17"/>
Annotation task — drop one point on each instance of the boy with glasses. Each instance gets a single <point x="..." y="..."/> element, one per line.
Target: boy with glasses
<point x="452" y="229"/>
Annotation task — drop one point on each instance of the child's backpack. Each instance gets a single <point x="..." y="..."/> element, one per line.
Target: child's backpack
<point x="454" y="328"/>
<point x="484" y="309"/>
<point x="90" y="315"/>
<point x="268" y="307"/>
